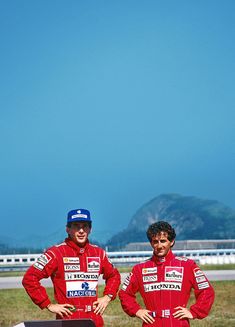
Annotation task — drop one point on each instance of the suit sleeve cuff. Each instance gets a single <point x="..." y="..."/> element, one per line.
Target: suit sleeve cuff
<point x="44" y="304"/>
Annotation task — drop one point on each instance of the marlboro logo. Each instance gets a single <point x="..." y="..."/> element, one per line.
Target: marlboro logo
<point x="174" y="274"/>
<point x="93" y="263"/>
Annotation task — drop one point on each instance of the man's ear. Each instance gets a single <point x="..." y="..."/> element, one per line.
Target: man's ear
<point x="67" y="229"/>
<point x="172" y="243"/>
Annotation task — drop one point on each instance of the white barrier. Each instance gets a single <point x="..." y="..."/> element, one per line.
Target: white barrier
<point x="218" y="256"/>
<point x="217" y="260"/>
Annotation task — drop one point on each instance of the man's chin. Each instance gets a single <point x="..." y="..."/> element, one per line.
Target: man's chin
<point x="160" y="255"/>
<point x="81" y="242"/>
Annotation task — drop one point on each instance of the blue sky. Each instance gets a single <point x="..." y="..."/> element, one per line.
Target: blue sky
<point x="107" y="104"/>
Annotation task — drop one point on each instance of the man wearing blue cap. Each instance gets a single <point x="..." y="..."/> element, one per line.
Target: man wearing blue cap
<point x="74" y="267"/>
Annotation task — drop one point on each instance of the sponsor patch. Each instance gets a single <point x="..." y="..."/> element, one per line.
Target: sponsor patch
<point x="162" y="286"/>
<point x="146" y="271"/>
<point x="182" y="258"/>
<point x="174" y="274"/>
<point x="198" y="272"/>
<point x="127" y="281"/>
<point x="81" y="289"/>
<point x="124" y="287"/>
<point x="38" y="266"/>
<point x="93" y="263"/>
<point x="71" y="260"/>
<point x="149" y="278"/>
<point x="200" y="279"/>
<point x="128" y="278"/>
<point x="203" y="285"/>
<point x="80" y="215"/>
<point x="81" y="276"/>
<point x="166" y="313"/>
<point x="71" y="267"/>
<point x="42" y="261"/>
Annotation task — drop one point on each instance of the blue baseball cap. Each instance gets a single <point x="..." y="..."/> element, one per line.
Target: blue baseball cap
<point x="79" y="215"/>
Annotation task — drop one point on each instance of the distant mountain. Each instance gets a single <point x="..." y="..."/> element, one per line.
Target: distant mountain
<point x="192" y="218"/>
<point x="33" y="240"/>
<point x="35" y="243"/>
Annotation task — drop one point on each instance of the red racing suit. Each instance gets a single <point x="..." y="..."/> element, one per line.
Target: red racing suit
<point x="164" y="285"/>
<point x="74" y="272"/>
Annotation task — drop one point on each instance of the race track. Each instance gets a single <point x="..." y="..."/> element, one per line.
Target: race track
<point x="15" y="282"/>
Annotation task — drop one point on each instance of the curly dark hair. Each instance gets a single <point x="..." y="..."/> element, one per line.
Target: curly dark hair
<point x="158" y="227"/>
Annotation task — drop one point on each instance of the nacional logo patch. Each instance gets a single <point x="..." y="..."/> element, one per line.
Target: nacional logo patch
<point x="81" y="289"/>
<point x="93" y="263"/>
<point x="174" y="274"/>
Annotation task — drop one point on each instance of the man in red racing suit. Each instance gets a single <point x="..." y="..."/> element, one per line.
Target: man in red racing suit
<point x="74" y="267"/>
<point x="164" y="282"/>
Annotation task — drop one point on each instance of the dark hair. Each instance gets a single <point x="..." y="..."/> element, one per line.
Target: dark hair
<point x="70" y="224"/>
<point x="158" y="227"/>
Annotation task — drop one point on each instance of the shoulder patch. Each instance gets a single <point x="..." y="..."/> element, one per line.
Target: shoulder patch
<point x="144" y="261"/>
<point x="182" y="258"/>
<point x="42" y="261"/>
<point x="61" y="244"/>
<point x="95" y="246"/>
<point x="127" y="281"/>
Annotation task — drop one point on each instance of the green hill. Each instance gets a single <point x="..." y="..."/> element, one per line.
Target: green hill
<point x="192" y="218"/>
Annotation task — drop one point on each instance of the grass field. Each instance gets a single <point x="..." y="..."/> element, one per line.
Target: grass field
<point x="15" y="307"/>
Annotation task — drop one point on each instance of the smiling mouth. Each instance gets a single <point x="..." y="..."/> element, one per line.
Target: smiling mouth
<point x="81" y="236"/>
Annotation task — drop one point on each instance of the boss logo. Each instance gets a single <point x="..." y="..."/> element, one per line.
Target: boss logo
<point x="152" y="278"/>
